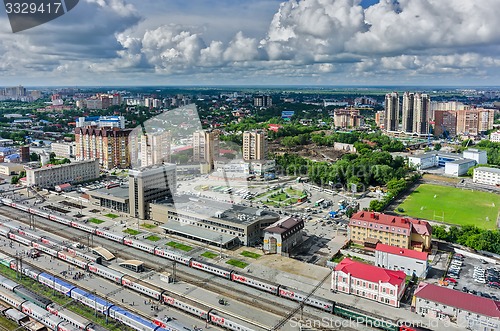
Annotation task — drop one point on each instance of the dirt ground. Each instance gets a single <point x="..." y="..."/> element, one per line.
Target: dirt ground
<point x="441" y="178"/>
<point x="311" y="151"/>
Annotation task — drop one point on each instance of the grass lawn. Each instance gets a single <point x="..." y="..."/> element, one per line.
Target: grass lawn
<point x="112" y="216"/>
<point x="131" y="232"/>
<point x="148" y="226"/>
<point x="153" y="238"/>
<point x="210" y="255"/>
<point x="180" y="246"/>
<point x="278" y="197"/>
<point x="292" y="191"/>
<point x="250" y="254"/>
<point x="237" y="263"/>
<point x="453" y="205"/>
<point x="96" y="220"/>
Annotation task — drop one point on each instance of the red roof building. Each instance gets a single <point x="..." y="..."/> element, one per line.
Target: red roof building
<point x="411" y="262"/>
<point x="368" y="228"/>
<point x="368" y="281"/>
<point x="467" y="310"/>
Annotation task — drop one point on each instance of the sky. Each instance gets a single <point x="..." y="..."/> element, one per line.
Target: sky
<point x="258" y="42"/>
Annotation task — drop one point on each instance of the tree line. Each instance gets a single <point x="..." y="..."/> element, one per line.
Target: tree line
<point x="469" y="236"/>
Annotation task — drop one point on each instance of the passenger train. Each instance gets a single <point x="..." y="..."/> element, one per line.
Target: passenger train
<point x="239" y="277"/>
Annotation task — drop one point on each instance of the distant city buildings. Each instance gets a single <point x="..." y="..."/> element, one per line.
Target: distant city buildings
<point x="347" y="118"/>
<point x="370" y="228"/>
<point x="487" y="176"/>
<point x="455" y="118"/>
<point x="263" y="101"/>
<point x="369" y="282"/>
<point x="415" y="116"/>
<point x="255" y="145"/>
<point x="51" y="175"/>
<point x="101" y="121"/>
<point x="109" y="145"/>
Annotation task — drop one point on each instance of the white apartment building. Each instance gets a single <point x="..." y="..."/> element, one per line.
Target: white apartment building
<point x="52" y="175"/>
<point x="66" y="150"/>
<point x="495" y="137"/>
<point x="488" y="176"/>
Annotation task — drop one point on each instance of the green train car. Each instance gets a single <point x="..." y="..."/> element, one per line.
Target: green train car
<point x="371" y="321"/>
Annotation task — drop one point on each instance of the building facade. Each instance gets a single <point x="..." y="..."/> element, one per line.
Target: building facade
<point x="487" y="176"/>
<point x="445" y="123"/>
<point x="206" y="147"/>
<point x="411" y="262"/>
<point x="408" y="112"/>
<point x="149" y="184"/>
<point x="254" y="145"/>
<point x="347" y="118"/>
<point x="263" y="101"/>
<point x="156" y="148"/>
<point x="51" y="175"/>
<point x="64" y="150"/>
<point x="369" y="282"/>
<point x="495" y="137"/>
<point x="470" y="312"/>
<point x="109" y="145"/>
<point x="101" y="122"/>
<point x="369" y="228"/>
<point x="283" y="236"/>
<point x="422" y="108"/>
<point x="478" y="155"/>
<point x="392" y="112"/>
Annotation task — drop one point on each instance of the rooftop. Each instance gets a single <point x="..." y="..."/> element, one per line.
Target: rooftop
<point x="199" y="233"/>
<point x="283" y="226"/>
<point x="463" y="161"/>
<point x="458" y="299"/>
<point x="371" y="273"/>
<point x="118" y="192"/>
<point x="402" y="252"/>
<point x="487" y="169"/>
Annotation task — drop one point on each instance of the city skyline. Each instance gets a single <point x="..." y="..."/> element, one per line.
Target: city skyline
<point x="263" y="42"/>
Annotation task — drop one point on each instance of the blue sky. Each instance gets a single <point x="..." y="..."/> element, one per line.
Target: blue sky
<point x="258" y="42"/>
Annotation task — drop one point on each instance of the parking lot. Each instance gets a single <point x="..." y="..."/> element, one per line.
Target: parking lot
<point x="468" y="280"/>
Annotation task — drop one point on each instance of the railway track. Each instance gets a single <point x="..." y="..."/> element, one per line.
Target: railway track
<point x="232" y="292"/>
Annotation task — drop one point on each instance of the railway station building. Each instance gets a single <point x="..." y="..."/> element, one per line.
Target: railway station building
<point x="283" y="236"/>
<point x="213" y="222"/>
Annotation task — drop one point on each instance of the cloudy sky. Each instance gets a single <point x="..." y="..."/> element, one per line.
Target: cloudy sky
<point x="258" y="42"/>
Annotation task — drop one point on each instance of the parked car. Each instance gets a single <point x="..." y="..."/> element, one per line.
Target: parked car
<point x="465" y="289"/>
<point x="451" y="280"/>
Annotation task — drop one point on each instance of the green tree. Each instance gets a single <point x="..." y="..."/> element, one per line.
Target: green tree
<point x="437" y="147"/>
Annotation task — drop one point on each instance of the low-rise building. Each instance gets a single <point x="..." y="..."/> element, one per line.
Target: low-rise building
<point x="458" y="167"/>
<point x="454" y="164"/>
<point x="478" y="155"/>
<point x="369" y="228"/>
<point x="409" y="261"/>
<point x="470" y="312"/>
<point x="485" y="175"/>
<point x="51" y="175"/>
<point x="369" y="282"/>
<point x="495" y="137"/>
<point x="8" y="169"/>
<point x="213" y="222"/>
<point x="283" y="236"/>
<point x="65" y="150"/>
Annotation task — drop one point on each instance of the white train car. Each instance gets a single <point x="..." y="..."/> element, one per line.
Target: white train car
<point x="134" y="321"/>
<point x="4" y="232"/>
<point x="84" y="227"/>
<point x="141" y="287"/>
<point x="201" y="312"/>
<point x="20" y="206"/>
<point x="10" y="298"/>
<point x="90" y="300"/>
<point x="43" y="248"/>
<point x="226" y="323"/>
<point x="73" y="319"/>
<point x="171" y="255"/>
<point x="31" y="272"/>
<point x="254" y="282"/>
<point x="29" y="234"/>
<point x="55" y="283"/>
<point x="52" y="322"/>
<point x="38" y="212"/>
<point x="72" y="259"/>
<point x="109" y="235"/>
<point x="139" y="244"/>
<point x="311" y="301"/>
<point x="213" y="269"/>
<point x="20" y="238"/>
<point x="59" y="219"/>
<point x="105" y="272"/>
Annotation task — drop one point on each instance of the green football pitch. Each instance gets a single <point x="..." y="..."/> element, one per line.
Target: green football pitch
<point x="453" y="205"/>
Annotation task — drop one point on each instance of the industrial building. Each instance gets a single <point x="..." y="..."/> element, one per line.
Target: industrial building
<point x="213" y="222"/>
<point x="471" y="312"/>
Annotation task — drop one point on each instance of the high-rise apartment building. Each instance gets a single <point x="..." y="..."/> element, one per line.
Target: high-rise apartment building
<point x="263" y="101"/>
<point x="408" y="112"/>
<point x="445" y="123"/>
<point x="380" y="119"/>
<point x="347" y="118"/>
<point x="254" y="145"/>
<point x="156" y="148"/>
<point x="392" y="112"/>
<point x="205" y="146"/>
<point x="422" y="106"/>
<point x="101" y="121"/>
<point x="109" y="145"/>
<point x="148" y="184"/>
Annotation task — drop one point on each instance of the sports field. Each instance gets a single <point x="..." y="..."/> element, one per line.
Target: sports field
<point x="453" y="205"/>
